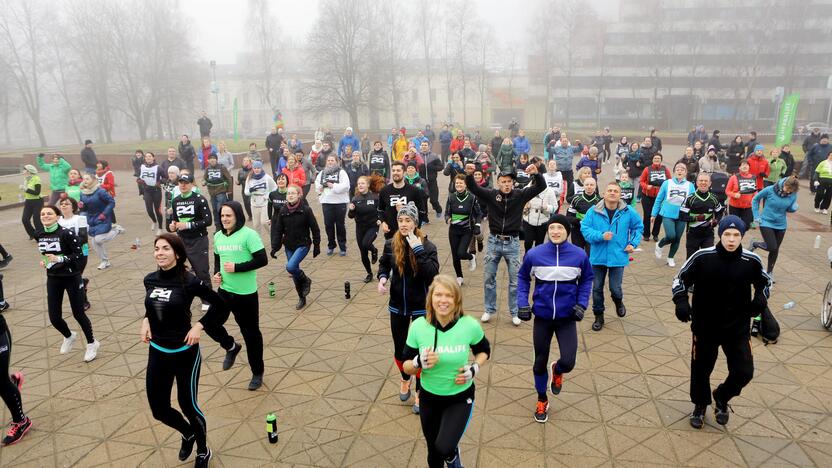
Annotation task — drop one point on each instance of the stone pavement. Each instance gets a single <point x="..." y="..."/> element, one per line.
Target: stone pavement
<point x="331" y="381"/>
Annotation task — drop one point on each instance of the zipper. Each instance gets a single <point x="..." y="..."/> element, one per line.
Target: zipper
<point x="555" y="292"/>
<point x="404" y="294"/>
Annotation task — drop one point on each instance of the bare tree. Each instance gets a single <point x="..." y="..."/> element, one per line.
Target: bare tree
<point x="5" y="104"/>
<point x="264" y="34"/>
<point x="22" y="54"/>
<point x="341" y="50"/>
<point x="482" y="56"/>
<point x="426" y="16"/>
<point x="395" y="48"/>
<point x="59" y="73"/>
<point x="448" y="62"/>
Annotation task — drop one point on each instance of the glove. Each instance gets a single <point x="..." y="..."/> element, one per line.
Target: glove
<point x="683" y="311"/>
<point x="413" y="241"/>
<point x="273" y="253"/>
<point x="524" y="313"/>
<point x="578" y="312"/>
<point x="316" y="250"/>
<point x="477" y="230"/>
<point x="470" y="371"/>
<point x="101" y="217"/>
<point x="421" y="360"/>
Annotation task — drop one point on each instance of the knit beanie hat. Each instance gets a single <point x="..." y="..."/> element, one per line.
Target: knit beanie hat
<point x="732" y="222"/>
<point x="411" y="211"/>
<point x="562" y="220"/>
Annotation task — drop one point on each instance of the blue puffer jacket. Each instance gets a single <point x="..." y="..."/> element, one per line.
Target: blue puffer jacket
<point x="351" y="140"/>
<point x="562" y="278"/>
<point x="563" y="157"/>
<point x="777" y="204"/>
<point x="95" y="204"/>
<point x="522" y="145"/>
<point x="626" y="226"/>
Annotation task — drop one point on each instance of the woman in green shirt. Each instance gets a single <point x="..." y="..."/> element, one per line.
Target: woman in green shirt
<point x="777" y="166"/>
<point x="438" y="346"/>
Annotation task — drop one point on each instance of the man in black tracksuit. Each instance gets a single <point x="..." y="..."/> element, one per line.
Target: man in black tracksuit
<point x="720" y="315"/>
<point x="701" y="211"/>
<point x="433" y="165"/>
<point x="190" y="218"/>
<point x="395" y="195"/>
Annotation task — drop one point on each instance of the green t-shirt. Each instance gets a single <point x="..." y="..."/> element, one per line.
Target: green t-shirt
<point x="237" y="248"/>
<point x="453" y="347"/>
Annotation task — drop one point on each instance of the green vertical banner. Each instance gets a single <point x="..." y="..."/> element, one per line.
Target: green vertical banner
<point x="235" y="120"/>
<point x="785" y="124"/>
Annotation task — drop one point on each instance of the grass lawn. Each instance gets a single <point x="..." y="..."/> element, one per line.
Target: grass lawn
<point x="9" y="191"/>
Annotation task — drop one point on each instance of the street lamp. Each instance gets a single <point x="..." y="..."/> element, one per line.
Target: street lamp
<point x="215" y="89"/>
<point x="829" y="111"/>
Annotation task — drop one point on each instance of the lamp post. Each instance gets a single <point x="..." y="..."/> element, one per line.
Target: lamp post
<point x="215" y="89"/>
<point x="829" y="111"/>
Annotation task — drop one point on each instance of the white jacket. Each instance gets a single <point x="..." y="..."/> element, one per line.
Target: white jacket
<point x="534" y="213"/>
<point x="339" y="193"/>
<point x="259" y="189"/>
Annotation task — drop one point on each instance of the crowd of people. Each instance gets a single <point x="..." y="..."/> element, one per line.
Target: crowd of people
<point x="577" y="233"/>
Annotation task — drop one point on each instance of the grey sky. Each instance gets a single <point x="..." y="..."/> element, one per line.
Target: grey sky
<point x="218" y="26"/>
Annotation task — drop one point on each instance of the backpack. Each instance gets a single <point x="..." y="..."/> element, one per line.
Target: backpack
<point x="769" y="328"/>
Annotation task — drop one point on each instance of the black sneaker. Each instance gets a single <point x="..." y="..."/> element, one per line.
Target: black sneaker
<point x="374" y="256"/>
<point x="721" y="412"/>
<point x="202" y="459"/>
<point x="620" y="310"/>
<point x="187" y="447"/>
<point x="231" y="356"/>
<point x="598" y="324"/>
<point x="256" y="382"/>
<point x="755" y="327"/>
<point x="17" y="431"/>
<point x="5" y="262"/>
<point x="655" y="238"/>
<point x="697" y="417"/>
<point x="4" y="306"/>
<point x="368" y="278"/>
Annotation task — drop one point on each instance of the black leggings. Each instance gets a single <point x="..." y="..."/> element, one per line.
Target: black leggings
<point x="365" y="235"/>
<point x="334" y="214"/>
<point x="74" y="287"/>
<point x="162" y="368"/>
<point x="399" y="325"/>
<point x="823" y="194"/>
<point x="8" y="390"/>
<point x="31" y="214"/>
<point x="460" y="238"/>
<point x="566" y="332"/>
<point x="246" y="310"/>
<point x="772" y="239"/>
<point x="444" y="420"/>
<point x="533" y="235"/>
<point x="744" y="214"/>
<point x="247" y="205"/>
<point x="647" y="206"/>
<point x="152" y="203"/>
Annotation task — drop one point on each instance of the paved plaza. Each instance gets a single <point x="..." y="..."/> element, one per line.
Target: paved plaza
<point x="331" y="380"/>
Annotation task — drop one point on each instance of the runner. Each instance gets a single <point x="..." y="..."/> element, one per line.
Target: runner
<point x="60" y="252"/>
<point x="432" y="167"/>
<point x="292" y="228"/>
<point x="220" y="187"/>
<point x="536" y="215"/>
<point x="379" y="161"/>
<point x="332" y="186"/>
<point x="462" y="213"/>
<point x="701" y="211"/>
<point x="407" y="267"/>
<point x="258" y="185"/>
<point x="505" y="211"/>
<point x="650" y="181"/>
<point x="363" y="209"/>
<point x="10" y="384"/>
<point x="562" y="283"/>
<point x="578" y="208"/>
<point x="778" y="200"/>
<point x="58" y="170"/>
<point x="720" y="320"/>
<point x="278" y="197"/>
<point x="238" y="252"/>
<point x="98" y="208"/>
<point x="437" y="348"/>
<point x="613" y="230"/>
<point x="71" y="220"/>
<point x="106" y="180"/>
<point x="190" y="218"/>
<point x="672" y="195"/>
<point x="242" y="176"/>
<point x="32" y="201"/>
<point x="150" y="179"/>
<point x="174" y="344"/>
<point x="395" y="195"/>
<point x="73" y="186"/>
<point x="741" y="189"/>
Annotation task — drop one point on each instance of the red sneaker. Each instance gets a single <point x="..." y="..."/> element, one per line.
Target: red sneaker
<point x="541" y="413"/>
<point x="17" y="431"/>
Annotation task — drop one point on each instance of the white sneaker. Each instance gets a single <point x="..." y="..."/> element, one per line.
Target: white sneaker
<point x="153" y="226"/>
<point x="66" y="346"/>
<point x="119" y="229"/>
<point x="485" y="317"/>
<point x="92" y="351"/>
<point x="671" y="263"/>
<point x="472" y="264"/>
<point x="817" y="210"/>
<point x="824" y="211"/>
<point x="516" y="321"/>
<point x="205" y="307"/>
<point x="158" y="232"/>
<point x="658" y="251"/>
<point x="104" y="265"/>
<point x="459" y="280"/>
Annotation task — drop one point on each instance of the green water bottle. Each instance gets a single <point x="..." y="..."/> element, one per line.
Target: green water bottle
<point x="271" y="289"/>
<point x="271" y="428"/>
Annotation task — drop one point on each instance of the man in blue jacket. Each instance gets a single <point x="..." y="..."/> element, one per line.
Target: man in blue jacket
<point x="562" y="282"/>
<point x="563" y="155"/>
<point x="348" y="139"/>
<point x="613" y="230"/>
<point x="521" y="143"/>
<point x="445" y="138"/>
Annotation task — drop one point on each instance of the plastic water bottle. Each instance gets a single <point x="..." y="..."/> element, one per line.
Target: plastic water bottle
<point x="346" y="289"/>
<point x="271" y="428"/>
<point x="271" y="289"/>
<point x="138" y="243"/>
<point x="788" y="305"/>
<point x="817" y="241"/>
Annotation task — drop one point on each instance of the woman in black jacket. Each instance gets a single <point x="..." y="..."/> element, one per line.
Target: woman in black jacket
<point x="736" y="152"/>
<point x="462" y="214"/>
<point x="363" y="208"/>
<point x="407" y="268"/>
<point x="292" y="228"/>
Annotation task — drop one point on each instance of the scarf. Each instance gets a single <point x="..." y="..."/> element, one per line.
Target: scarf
<point x="292" y="208"/>
<point x="258" y="176"/>
<point x="328" y="171"/>
<point x="89" y="189"/>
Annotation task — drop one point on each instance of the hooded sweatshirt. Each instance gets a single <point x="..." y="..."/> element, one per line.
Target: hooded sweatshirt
<point x="58" y="172"/>
<point x="776" y="203"/>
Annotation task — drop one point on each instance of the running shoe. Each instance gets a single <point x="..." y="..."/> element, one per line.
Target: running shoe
<point x="17" y="380"/>
<point x="824" y="211"/>
<point x="119" y="229"/>
<point x="231" y="356"/>
<point x="454" y="462"/>
<point x="817" y="210"/>
<point x="186" y="447"/>
<point x="541" y="413"/>
<point x="256" y="382"/>
<point x="658" y="251"/>
<point x="4" y="306"/>
<point x="153" y="226"/>
<point x="697" y="417"/>
<point x="486" y="317"/>
<point x="104" y="265"/>
<point x="671" y="263"/>
<point x="368" y="278"/>
<point x="17" y="431"/>
<point x="5" y="262"/>
<point x="342" y="253"/>
<point x="415" y="407"/>
<point x="202" y="459"/>
<point x="655" y="238"/>
<point x="460" y="280"/>
<point x="439" y="214"/>
<point x="92" y="351"/>
<point x="329" y="252"/>
<point x="66" y="346"/>
<point x="721" y="411"/>
<point x="472" y="264"/>
<point x="516" y="321"/>
<point x="557" y="380"/>
<point x="404" y="390"/>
